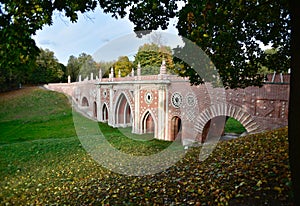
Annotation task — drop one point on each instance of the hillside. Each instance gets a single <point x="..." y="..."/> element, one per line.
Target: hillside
<point x="43" y="162"/>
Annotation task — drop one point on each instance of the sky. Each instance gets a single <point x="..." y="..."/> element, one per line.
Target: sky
<point x="90" y="34"/>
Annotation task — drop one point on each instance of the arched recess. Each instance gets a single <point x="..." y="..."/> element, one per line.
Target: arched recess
<point x="148" y="123"/>
<point x="226" y="110"/>
<point x="95" y="109"/>
<point x="123" y="114"/>
<point x="175" y="128"/>
<point x="84" y="102"/>
<point x="104" y="113"/>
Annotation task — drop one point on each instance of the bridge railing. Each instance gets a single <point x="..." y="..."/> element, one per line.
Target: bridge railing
<point x="135" y="78"/>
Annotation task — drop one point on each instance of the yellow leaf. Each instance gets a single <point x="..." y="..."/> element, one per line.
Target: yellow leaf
<point x="259" y="183"/>
<point x="277" y="189"/>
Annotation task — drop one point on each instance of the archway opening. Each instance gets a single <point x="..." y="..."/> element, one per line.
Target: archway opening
<point x="95" y="109"/>
<point x="175" y="128"/>
<point x="123" y="112"/>
<point x="222" y="126"/>
<point x="148" y="125"/>
<point x="214" y="128"/>
<point x="104" y="113"/>
<point x="234" y="126"/>
<point x="84" y="102"/>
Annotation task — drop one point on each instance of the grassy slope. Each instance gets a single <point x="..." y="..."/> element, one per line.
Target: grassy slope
<point x="38" y="169"/>
<point x="33" y="113"/>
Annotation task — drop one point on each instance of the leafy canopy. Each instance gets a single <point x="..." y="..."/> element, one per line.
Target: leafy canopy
<point x="227" y="30"/>
<point x="150" y="57"/>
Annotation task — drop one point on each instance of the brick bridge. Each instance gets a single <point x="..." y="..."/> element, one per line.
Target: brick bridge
<point x="169" y="107"/>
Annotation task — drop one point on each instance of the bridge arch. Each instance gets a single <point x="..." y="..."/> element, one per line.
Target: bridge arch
<point x="95" y="109"/>
<point x="84" y="102"/>
<point x="148" y="122"/>
<point x="123" y="111"/>
<point x="227" y="110"/>
<point x="176" y="128"/>
<point x="104" y="111"/>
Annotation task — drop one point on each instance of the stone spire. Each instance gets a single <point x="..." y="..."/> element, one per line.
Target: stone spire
<point x="139" y="69"/>
<point x="111" y="75"/>
<point x="132" y="72"/>
<point x="100" y="74"/>
<point x="119" y="73"/>
<point x="92" y="76"/>
<point x="163" y="68"/>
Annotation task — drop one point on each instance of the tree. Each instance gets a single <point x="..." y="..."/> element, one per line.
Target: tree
<point x="87" y="65"/>
<point x="105" y="67"/>
<point x="229" y="34"/>
<point x="227" y="31"/>
<point x="47" y="68"/>
<point x="123" y="65"/>
<point x="73" y="68"/>
<point x="150" y="57"/>
<point x="19" y="20"/>
<point x="84" y="65"/>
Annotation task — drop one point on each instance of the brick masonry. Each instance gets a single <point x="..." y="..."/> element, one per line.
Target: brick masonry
<point x="171" y="108"/>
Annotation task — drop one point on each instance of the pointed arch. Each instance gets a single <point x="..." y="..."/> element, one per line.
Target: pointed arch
<point x="123" y="111"/>
<point x="84" y="102"/>
<point x="104" y="113"/>
<point x="95" y="109"/>
<point x="176" y="128"/>
<point x="148" y="124"/>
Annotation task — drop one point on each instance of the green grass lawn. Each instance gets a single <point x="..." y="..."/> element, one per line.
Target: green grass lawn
<point x="42" y="162"/>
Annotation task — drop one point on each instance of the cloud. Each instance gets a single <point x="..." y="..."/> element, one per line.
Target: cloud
<point x="46" y="42"/>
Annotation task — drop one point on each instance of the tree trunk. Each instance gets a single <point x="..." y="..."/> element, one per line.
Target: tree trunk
<point x="294" y="103"/>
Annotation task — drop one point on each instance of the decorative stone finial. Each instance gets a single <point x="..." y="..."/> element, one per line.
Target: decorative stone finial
<point x="100" y="74"/>
<point x="139" y="69"/>
<point x="111" y="75"/>
<point x="163" y="68"/>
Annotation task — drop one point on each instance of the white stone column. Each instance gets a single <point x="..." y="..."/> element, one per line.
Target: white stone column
<point x="139" y="70"/>
<point x="161" y="113"/>
<point x="136" y="118"/>
<point x="166" y="136"/>
<point x="100" y="74"/>
<point x="92" y="76"/>
<point x="99" y="103"/>
<point x="111" y="112"/>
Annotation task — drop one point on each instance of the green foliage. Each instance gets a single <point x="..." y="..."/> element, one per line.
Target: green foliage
<point x="150" y="57"/>
<point x="73" y="68"/>
<point x="47" y="69"/>
<point x="123" y="65"/>
<point x="228" y="32"/>
<point x="84" y="65"/>
<point x="87" y="65"/>
<point x="105" y="67"/>
<point x="19" y="20"/>
<point x="234" y="126"/>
